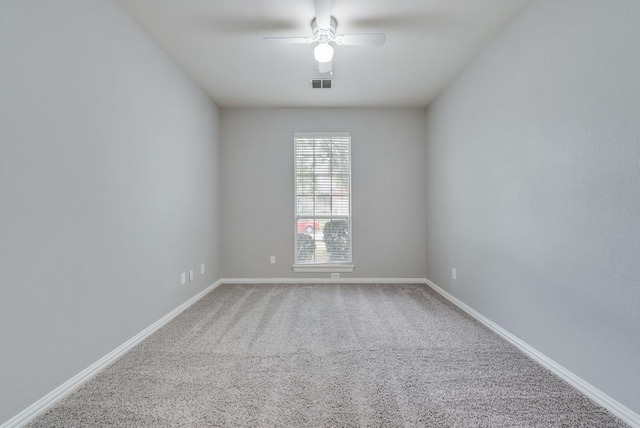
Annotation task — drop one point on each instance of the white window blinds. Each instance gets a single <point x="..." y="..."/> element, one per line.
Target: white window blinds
<point x="323" y="198"/>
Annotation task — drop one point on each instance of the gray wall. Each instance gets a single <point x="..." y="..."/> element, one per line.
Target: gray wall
<point x="387" y="178"/>
<point x="108" y="190"/>
<point x="533" y="187"/>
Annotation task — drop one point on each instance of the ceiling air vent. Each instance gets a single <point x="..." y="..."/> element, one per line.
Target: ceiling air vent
<point x="321" y="83"/>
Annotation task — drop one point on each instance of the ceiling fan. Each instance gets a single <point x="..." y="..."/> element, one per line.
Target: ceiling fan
<point x="323" y="33"/>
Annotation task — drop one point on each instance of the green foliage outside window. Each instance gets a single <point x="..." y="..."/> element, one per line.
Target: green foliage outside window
<point x="306" y="247"/>
<point x="336" y="238"/>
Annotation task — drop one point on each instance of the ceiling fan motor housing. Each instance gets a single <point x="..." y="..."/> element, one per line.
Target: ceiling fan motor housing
<point x="324" y="35"/>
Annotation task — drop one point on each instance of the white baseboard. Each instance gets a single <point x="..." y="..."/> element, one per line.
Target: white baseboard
<point x="323" y="280"/>
<point x="72" y="384"/>
<point x="618" y="409"/>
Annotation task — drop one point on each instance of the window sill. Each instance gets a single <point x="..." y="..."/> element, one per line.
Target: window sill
<point x="323" y="268"/>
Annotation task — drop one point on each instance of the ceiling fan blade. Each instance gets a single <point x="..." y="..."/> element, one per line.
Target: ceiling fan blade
<point x="325" y="67"/>
<point x="286" y="40"/>
<point x="372" y="39"/>
<point x="323" y="13"/>
<point x="414" y="22"/>
<point x="238" y="25"/>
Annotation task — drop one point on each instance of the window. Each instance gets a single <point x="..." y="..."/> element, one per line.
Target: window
<point x="322" y="202"/>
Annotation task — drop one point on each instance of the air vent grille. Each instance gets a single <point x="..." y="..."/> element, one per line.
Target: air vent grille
<point x="321" y="83"/>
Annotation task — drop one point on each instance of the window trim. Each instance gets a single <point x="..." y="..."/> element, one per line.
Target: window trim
<point x="324" y="267"/>
<point x="348" y="266"/>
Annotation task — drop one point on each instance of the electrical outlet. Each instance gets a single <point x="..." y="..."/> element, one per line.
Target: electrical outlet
<point x="273" y="259"/>
<point x="453" y="273"/>
<point x="183" y="278"/>
<point x="202" y="269"/>
<point x="191" y="275"/>
<point x="335" y="275"/>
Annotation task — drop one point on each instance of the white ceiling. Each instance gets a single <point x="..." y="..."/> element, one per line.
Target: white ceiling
<point x="219" y="43"/>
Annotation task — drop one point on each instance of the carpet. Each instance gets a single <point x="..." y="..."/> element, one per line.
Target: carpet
<point x="325" y="355"/>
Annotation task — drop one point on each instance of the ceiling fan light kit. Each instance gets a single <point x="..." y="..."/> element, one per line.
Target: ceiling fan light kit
<point x="323" y="29"/>
<point x="323" y="52"/>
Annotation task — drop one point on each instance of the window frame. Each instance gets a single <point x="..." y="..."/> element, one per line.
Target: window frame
<point x="348" y="265"/>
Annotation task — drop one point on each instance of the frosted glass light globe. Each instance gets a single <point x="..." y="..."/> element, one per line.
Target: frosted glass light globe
<point x="323" y="52"/>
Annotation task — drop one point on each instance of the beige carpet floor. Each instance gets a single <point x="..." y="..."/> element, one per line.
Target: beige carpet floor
<point x="325" y="355"/>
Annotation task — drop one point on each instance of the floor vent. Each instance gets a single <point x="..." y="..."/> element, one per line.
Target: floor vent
<point x="321" y="83"/>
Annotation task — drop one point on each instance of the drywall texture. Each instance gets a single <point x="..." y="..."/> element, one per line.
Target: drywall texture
<point x="533" y="187"/>
<point x="108" y="190"/>
<point x="388" y="196"/>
